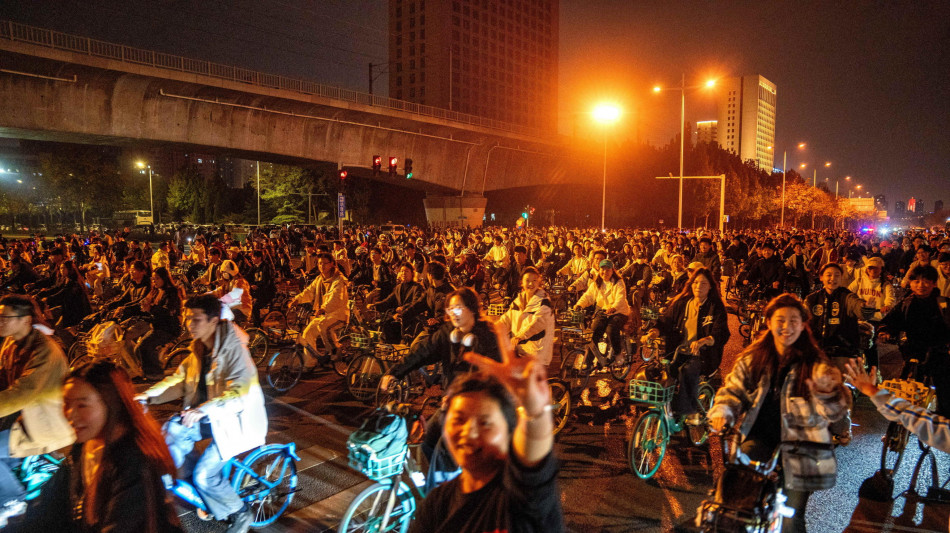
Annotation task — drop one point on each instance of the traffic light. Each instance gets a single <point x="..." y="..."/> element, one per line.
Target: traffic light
<point x="408" y="166"/>
<point x="377" y="165"/>
<point x="392" y="167"/>
<point x="524" y="215"/>
<point x="342" y="174"/>
<point x="531" y="211"/>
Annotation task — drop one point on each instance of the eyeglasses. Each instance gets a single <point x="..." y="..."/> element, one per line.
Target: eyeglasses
<point x="10" y="317"/>
<point x="455" y="310"/>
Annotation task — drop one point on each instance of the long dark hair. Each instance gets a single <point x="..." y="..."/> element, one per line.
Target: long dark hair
<point x="805" y="350"/>
<point x="171" y="288"/>
<point x="687" y="291"/>
<point x="115" y="388"/>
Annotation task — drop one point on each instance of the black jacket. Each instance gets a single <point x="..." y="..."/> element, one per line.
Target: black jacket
<point x="834" y="321"/>
<point x="439" y="348"/>
<point x="712" y="319"/>
<point x="133" y="496"/>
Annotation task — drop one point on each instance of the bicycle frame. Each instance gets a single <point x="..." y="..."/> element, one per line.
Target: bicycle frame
<point x="187" y="492"/>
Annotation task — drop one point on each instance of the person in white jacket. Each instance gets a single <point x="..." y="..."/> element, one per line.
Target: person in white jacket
<point x="222" y="401"/>
<point x="32" y="369"/>
<point x="609" y="294"/>
<point x="530" y="319"/>
<point x="330" y="299"/>
<point x="873" y="289"/>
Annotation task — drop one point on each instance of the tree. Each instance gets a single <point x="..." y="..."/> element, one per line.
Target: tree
<point x="85" y="177"/>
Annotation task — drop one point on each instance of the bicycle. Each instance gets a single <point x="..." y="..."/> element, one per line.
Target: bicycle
<point x="366" y="370"/>
<point x="746" y="496"/>
<point x="896" y="436"/>
<point x="655" y="387"/>
<point x="265" y="479"/>
<point x="390" y="503"/>
<point x="587" y="357"/>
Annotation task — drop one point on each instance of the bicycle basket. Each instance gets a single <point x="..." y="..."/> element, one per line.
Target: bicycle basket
<point x="496" y="309"/>
<point x="650" y="392"/>
<point x="359" y="340"/>
<point x="913" y="391"/>
<point x="379" y="446"/>
<point x="649" y="313"/>
<point x="575" y="336"/>
<point x="391" y="352"/>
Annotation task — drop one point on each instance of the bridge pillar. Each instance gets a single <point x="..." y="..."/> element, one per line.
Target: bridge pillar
<point x="452" y="211"/>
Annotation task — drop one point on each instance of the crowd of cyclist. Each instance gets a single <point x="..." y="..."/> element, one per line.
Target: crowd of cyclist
<point x="854" y="291"/>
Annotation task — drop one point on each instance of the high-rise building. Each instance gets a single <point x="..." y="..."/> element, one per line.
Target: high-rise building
<point x="746" y="113"/>
<point x="492" y="59"/>
<point x="706" y="131"/>
<point x="880" y="202"/>
<point x="899" y="208"/>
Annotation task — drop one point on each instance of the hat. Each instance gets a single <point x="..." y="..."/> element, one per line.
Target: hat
<point x="885" y="244"/>
<point x="874" y="262"/>
<point x="694" y="265"/>
<point x="606" y="263"/>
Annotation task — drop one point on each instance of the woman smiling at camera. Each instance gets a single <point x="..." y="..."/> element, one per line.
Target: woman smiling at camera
<point x="784" y="389"/>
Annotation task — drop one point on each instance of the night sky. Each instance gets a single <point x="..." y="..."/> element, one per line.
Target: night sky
<point x="864" y="84"/>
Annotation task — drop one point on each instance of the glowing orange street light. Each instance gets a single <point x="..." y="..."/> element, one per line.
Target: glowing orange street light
<point x="827" y="163"/>
<point x="801" y="146"/>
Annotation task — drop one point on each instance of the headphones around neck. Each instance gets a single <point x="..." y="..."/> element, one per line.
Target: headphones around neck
<point x="466" y="339"/>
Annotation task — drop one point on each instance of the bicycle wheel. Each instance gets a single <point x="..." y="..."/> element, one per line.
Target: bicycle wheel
<point x="648" y="445"/>
<point x="284" y="369"/>
<point x="561" y="403"/>
<point x="367" y="512"/>
<point x="618" y="369"/>
<point x="269" y="491"/>
<point x="175" y="359"/>
<point x="699" y="434"/>
<point x="78" y="353"/>
<point x="892" y="451"/>
<point x="575" y="371"/>
<point x="362" y="377"/>
<point x="275" y="324"/>
<point x="257" y="344"/>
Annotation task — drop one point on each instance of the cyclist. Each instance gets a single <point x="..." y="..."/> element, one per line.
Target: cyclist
<point x="32" y="368"/>
<point x="329" y="295"/>
<point x="380" y="276"/>
<point x="508" y="278"/>
<point x="783" y="388"/>
<point x="924" y="318"/>
<point x="404" y="299"/>
<point x="229" y="279"/>
<point x="768" y="273"/>
<point x="577" y="265"/>
<point x="262" y="285"/>
<point x="530" y="320"/>
<point x="669" y="282"/>
<point x="431" y="308"/>
<point x="469" y="272"/>
<point x="696" y="317"/>
<point x="609" y="294"/>
<point x="583" y="280"/>
<point x="136" y="286"/>
<point x="163" y="306"/>
<point x="123" y="446"/>
<point x="222" y="401"/>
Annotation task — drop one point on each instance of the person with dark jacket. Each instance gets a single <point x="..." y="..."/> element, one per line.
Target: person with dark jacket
<point x="71" y="298"/>
<point x="163" y="307"/>
<point x="263" y="289"/>
<point x="924" y="316"/>
<point x="122" y="447"/>
<point x="768" y="273"/>
<point x="508" y="278"/>
<point x="381" y="276"/>
<point x="697" y="318"/>
<point x="708" y="257"/>
<point x="404" y="300"/>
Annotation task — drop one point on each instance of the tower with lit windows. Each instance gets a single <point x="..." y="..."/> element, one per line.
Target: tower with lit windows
<point x="746" y="113"/>
<point x="496" y="59"/>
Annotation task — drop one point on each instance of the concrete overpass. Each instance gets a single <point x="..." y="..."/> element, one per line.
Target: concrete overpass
<point x="62" y="87"/>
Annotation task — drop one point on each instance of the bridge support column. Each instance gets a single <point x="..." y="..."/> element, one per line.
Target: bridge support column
<point x="452" y="211"/>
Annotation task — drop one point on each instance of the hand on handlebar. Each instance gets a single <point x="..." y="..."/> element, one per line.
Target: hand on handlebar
<point x="385" y="382"/>
<point x="717" y="424"/>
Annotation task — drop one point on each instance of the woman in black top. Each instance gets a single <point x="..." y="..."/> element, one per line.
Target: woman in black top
<point x="112" y="479"/>
<point x="163" y="305"/>
<point x="71" y="297"/>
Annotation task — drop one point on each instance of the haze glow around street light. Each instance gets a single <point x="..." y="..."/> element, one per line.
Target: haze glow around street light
<point x="606" y="113"/>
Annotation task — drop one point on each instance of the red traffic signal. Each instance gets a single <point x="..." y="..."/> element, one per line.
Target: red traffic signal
<point x="342" y="174"/>
<point x="392" y="166"/>
<point x="377" y="164"/>
<point x="531" y="211"/>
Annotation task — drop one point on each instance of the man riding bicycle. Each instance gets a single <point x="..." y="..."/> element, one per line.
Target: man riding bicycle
<point x="31" y="392"/>
<point x="222" y="401"/>
<point x="330" y="297"/>
<point x="530" y="320"/>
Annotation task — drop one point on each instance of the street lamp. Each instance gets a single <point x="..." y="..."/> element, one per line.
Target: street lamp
<point x="151" y="201"/>
<point x="682" y="89"/>
<point x="606" y="114"/>
<point x="801" y="146"/>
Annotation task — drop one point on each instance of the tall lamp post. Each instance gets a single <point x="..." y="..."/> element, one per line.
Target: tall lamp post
<point x="682" y="89"/>
<point x="151" y="200"/>
<point x="605" y="114"/>
<point x="801" y="146"/>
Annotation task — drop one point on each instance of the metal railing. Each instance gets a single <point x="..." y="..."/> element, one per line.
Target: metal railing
<point x="14" y="31"/>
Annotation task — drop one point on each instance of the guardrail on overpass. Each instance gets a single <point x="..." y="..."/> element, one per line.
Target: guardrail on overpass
<point x="15" y="31"/>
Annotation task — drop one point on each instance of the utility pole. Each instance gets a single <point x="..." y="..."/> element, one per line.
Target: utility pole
<point x="370" y="78"/>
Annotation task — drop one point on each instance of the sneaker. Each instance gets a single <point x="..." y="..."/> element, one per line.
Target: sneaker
<point x="240" y="522"/>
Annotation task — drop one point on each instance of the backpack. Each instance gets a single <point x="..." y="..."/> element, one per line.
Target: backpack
<point x="382" y="434"/>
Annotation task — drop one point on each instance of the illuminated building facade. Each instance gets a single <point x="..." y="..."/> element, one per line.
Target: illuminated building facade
<point x="746" y="112"/>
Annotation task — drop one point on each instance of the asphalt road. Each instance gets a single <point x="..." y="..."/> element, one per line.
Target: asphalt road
<point x="599" y="492"/>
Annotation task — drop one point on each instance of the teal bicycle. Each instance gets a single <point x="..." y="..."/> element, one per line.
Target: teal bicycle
<point x="654" y="387"/>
